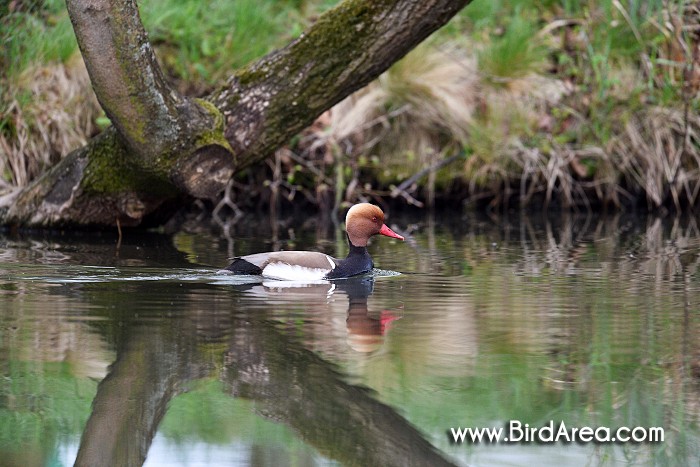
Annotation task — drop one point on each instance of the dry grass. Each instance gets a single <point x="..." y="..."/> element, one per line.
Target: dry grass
<point x="656" y="156"/>
<point x="58" y="116"/>
<point x="432" y="103"/>
<point x="659" y="152"/>
<point x="409" y="118"/>
<point x="426" y="99"/>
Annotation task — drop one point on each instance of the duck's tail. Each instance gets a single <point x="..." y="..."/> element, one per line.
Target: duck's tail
<point x="241" y="266"/>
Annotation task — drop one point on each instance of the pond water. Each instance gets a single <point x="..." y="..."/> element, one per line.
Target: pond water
<point x="115" y="351"/>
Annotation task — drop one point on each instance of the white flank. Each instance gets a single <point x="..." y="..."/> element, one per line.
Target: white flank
<point x="277" y="285"/>
<point x="289" y="272"/>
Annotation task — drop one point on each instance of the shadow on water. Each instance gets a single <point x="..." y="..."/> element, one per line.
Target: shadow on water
<point x="88" y="248"/>
<point x="591" y="321"/>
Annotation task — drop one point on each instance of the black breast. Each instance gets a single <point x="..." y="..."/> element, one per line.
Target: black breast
<point x="357" y="262"/>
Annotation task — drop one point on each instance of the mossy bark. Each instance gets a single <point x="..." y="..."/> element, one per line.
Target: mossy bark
<point x="274" y="98"/>
<point x="164" y="145"/>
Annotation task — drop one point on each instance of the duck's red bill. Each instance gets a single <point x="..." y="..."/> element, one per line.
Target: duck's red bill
<point x="389" y="233"/>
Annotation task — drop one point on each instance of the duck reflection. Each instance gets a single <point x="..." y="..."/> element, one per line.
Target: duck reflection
<point x="366" y="332"/>
<point x="366" y="329"/>
<point x="256" y="359"/>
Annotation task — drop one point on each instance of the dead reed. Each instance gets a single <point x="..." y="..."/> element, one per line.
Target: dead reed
<point x="50" y="111"/>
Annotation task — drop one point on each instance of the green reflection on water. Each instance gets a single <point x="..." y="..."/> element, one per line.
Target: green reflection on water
<point x="42" y="401"/>
<point x="595" y="326"/>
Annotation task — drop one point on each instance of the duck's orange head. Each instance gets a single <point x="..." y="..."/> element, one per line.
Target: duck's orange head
<point x="365" y="220"/>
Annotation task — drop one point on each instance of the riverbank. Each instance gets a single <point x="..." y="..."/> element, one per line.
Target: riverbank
<point x="512" y="104"/>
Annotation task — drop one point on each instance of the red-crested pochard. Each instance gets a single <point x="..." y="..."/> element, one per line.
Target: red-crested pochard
<point x="362" y="222"/>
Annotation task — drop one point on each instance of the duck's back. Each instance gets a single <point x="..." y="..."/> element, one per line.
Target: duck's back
<point x="285" y="265"/>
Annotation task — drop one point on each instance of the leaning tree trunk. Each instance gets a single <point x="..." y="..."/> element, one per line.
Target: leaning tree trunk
<point x="163" y="145"/>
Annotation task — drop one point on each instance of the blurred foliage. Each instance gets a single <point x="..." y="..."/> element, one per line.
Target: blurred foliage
<point x="43" y="405"/>
<point x="203" y="42"/>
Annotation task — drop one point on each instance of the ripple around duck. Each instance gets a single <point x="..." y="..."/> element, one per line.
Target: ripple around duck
<point x="54" y="274"/>
<point x="383" y="273"/>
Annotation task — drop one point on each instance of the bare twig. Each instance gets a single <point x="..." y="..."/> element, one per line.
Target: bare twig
<point x="413" y="179"/>
<point x="227" y="201"/>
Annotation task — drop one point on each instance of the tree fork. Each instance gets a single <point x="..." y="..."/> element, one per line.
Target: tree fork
<point x="164" y="145"/>
<point x="169" y="135"/>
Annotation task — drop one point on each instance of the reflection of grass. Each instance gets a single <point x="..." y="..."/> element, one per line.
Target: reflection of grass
<point x="598" y="376"/>
<point x="566" y="329"/>
<point x="206" y="413"/>
<point x="42" y="403"/>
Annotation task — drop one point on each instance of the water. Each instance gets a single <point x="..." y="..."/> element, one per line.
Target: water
<point x="111" y="351"/>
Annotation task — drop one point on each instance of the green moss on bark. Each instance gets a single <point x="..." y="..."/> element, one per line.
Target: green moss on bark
<point x="214" y="135"/>
<point x="251" y="75"/>
<point x="114" y="169"/>
<point x="111" y="170"/>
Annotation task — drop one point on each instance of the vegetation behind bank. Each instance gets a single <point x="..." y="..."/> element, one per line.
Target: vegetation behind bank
<point x="571" y="103"/>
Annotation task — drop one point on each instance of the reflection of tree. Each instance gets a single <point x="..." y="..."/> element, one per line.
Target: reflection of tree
<point x="298" y="387"/>
<point x="90" y="249"/>
<point x="594" y="321"/>
<point x="132" y="399"/>
<point x="288" y="382"/>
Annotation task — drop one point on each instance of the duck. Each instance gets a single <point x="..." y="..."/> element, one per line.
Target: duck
<point x="363" y="221"/>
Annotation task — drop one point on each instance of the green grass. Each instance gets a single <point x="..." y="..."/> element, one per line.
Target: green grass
<point x="517" y="53"/>
<point x="206" y="41"/>
<point x="196" y="41"/>
<point x="37" y="35"/>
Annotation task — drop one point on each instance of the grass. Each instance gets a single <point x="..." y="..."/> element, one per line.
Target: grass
<point x="570" y="103"/>
<point x="574" y="103"/>
<point x="413" y="115"/>
<point x="49" y="112"/>
<point x="32" y="34"/>
<point x="38" y="34"/>
<point x="200" y="43"/>
<point x="515" y="54"/>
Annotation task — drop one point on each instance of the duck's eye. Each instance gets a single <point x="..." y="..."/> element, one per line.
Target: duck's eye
<point x="374" y="218"/>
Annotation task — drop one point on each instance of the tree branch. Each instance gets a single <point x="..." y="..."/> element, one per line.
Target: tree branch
<point x="273" y="99"/>
<point x="158" y="125"/>
<point x="163" y="145"/>
<point x="125" y="74"/>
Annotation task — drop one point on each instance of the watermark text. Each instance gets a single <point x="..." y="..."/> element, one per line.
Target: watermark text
<point x="518" y="432"/>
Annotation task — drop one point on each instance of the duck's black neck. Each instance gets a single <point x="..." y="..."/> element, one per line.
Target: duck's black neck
<point x="356" y="250"/>
<point x="358" y="261"/>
